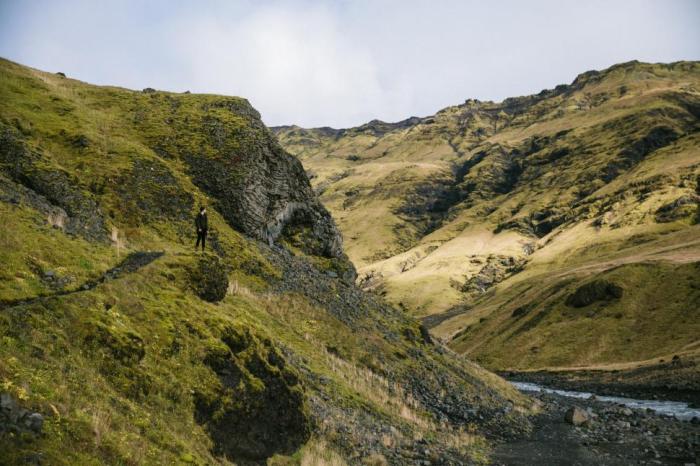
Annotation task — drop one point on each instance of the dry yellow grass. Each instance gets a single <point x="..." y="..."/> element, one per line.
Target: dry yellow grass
<point x="599" y="120"/>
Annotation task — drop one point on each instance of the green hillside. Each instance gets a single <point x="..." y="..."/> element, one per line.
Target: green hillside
<point x="485" y="218"/>
<point x="135" y="349"/>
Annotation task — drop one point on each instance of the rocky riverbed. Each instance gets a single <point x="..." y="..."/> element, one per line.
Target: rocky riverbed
<point x="573" y="431"/>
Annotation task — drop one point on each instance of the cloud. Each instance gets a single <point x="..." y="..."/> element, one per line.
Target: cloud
<point x="285" y="60"/>
<point x="341" y="63"/>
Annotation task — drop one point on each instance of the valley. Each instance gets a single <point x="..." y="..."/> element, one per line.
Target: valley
<point x="549" y="232"/>
<point x="357" y="285"/>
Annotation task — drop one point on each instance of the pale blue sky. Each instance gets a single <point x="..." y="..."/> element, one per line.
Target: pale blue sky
<point x="342" y="63"/>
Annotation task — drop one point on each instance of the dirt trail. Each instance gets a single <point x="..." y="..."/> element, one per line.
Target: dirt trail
<point x="675" y="253"/>
<point x="130" y="264"/>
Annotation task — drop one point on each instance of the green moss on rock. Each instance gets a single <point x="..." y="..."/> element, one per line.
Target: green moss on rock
<point x="209" y="279"/>
<point x="258" y="410"/>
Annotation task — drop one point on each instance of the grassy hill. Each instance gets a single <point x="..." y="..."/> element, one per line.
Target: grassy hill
<point x="552" y="230"/>
<point x="132" y="348"/>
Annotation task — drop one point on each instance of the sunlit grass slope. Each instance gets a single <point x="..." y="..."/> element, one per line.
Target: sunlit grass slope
<point x="453" y="215"/>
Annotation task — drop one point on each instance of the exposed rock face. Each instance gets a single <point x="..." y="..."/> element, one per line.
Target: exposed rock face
<point x="597" y="290"/>
<point x="53" y="192"/>
<point x="497" y="269"/>
<point x="682" y="207"/>
<point x="261" y="190"/>
<point x="15" y="419"/>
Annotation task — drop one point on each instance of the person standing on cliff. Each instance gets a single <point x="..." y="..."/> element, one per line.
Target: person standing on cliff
<point x="202" y="226"/>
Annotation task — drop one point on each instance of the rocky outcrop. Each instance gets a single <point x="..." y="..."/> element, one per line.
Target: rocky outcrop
<point x="258" y="409"/>
<point x="597" y="290"/>
<point x="259" y="188"/>
<point x="496" y="269"/>
<point x="52" y="191"/>
<point x="16" y="420"/>
<point x="684" y="206"/>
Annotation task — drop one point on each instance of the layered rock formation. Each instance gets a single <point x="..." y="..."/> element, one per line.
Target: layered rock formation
<point x="259" y="188"/>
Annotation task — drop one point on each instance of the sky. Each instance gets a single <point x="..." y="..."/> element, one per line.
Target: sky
<point x="343" y="63"/>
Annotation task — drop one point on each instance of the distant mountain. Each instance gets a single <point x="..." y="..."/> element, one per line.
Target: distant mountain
<point x="553" y="230"/>
<point x="119" y="344"/>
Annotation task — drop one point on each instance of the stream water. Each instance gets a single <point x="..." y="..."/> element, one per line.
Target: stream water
<point x="678" y="409"/>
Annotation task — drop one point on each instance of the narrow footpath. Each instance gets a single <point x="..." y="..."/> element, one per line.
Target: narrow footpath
<point x="130" y="264"/>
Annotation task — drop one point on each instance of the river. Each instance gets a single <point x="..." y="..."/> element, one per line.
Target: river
<point x="678" y="409"/>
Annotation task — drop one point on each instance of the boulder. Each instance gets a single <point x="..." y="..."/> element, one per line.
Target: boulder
<point x="209" y="278"/>
<point x="34" y="422"/>
<point x="576" y="416"/>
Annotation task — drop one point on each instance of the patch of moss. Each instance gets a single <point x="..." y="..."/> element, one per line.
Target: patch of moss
<point x="209" y="278"/>
<point x="259" y="409"/>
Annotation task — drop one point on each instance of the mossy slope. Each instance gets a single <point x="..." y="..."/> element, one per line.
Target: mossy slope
<point x="260" y="350"/>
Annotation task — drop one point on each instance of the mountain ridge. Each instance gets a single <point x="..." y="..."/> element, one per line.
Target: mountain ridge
<point x="579" y="81"/>
<point x="446" y="217"/>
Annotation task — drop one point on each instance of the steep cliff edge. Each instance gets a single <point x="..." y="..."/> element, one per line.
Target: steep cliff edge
<point x="133" y="349"/>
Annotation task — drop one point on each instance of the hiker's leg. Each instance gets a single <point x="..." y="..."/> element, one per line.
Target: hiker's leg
<point x="199" y="238"/>
<point x="204" y="238"/>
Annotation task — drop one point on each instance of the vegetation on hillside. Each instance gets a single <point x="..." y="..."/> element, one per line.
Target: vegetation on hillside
<point x="485" y="217"/>
<point x="136" y="350"/>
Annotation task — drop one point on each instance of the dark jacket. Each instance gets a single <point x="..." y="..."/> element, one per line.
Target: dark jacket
<point x="201" y="221"/>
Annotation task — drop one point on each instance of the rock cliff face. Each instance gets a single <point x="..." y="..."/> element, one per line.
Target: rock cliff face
<point x="53" y="192"/>
<point x="259" y="189"/>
